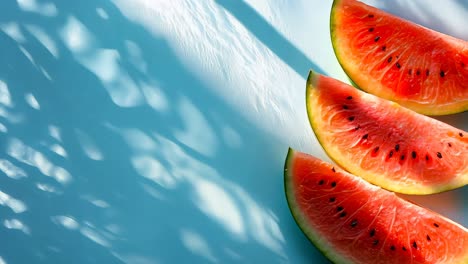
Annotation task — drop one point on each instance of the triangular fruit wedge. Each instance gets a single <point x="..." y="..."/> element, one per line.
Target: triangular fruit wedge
<point x="396" y="59"/>
<point x="385" y="143"/>
<point x="353" y="221"/>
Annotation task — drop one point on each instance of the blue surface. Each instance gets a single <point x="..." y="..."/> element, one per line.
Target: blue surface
<point x="119" y="150"/>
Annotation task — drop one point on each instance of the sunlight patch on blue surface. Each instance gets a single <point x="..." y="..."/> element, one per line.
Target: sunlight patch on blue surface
<point x="47" y="188"/>
<point x="58" y="149"/>
<point x="16" y="224"/>
<point x="219" y="50"/>
<point x="102" y="13"/>
<point x="231" y="137"/>
<point x="138" y="140"/>
<point x="3" y="128"/>
<point x="32" y="101"/>
<point x="23" y="153"/>
<point x="66" y="221"/>
<point x="96" y="201"/>
<point x="104" y="63"/>
<point x="220" y="206"/>
<point x="155" y="97"/>
<point x="15" y="205"/>
<point x="195" y="243"/>
<point x="44" y="39"/>
<point x="45" y="9"/>
<point x="11" y="170"/>
<point x="76" y="36"/>
<point x="55" y="132"/>
<point x="88" y="145"/>
<point x="95" y="236"/>
<point x="152" y="169"/>
<point x="135" y="259"/>
<point x="136" y="56"/>
<point x="5" y="96"/>
<point x="222" y="200"/>
<point x="13" y="30"/>
<point x="196" y="132"/>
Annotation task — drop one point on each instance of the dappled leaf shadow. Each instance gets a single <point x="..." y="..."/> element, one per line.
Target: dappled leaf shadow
<point x="125" y="156"/>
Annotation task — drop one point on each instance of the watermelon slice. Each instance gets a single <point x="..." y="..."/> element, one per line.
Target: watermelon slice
<point x="396" y="59"/>
<point x="352" y="221"/>
<point x="385" y="143"/>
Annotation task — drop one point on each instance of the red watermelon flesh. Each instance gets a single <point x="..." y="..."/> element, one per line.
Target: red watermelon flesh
<point x="353" y="221"/>
<point x="396" y="59"/>
<point x="385" y="143"/>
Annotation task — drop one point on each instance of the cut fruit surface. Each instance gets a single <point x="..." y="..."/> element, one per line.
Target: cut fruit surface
<point x="352" y="221"/>
<point x="383" y="142"/>
<point x="396" y="59"/>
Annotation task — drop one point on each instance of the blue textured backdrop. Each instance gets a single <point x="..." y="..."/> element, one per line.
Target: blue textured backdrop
<point x="155" y="131"/>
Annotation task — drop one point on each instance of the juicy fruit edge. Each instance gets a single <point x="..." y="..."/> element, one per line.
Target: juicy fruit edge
<point x="321" y="244"/>
<point x="383" y="182"/>
<point x="420" y="108"/>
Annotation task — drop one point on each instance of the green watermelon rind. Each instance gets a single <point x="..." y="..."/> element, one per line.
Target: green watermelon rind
<point x="312" y="235"/>
<point x="417" y="108"/>
<point x="335" y="46"/>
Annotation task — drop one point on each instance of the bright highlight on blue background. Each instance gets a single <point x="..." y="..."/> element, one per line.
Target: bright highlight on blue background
<point x="138" y="131"/>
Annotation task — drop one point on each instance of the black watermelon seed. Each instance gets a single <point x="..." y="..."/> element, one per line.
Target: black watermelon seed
<point x="321" y="182"/>
<point x="398" y="65"/>
<point x="449" y="144"/>
<point x="410" y="71"/>
<point x="376" y="242"/>
<point x="439" y="155"/>
<point x="345" y="107"/>
<point x="390" y="154"/>
<point x="389" y="59"/>
<point x="333" y="184"/>
<point x="384" y="48"/>
<point x="332" y="199"/>
<point x="333" y="169"/>
<point x="371" y="29"/>
<point x="358" y="127"/>
<point x="372" y="232"/>
<point x="397" y="147"/>
<point x="404" y="248"/>
<point x="436" y="225"/>
<point x="339" y="208"/>
<point x="351" y="118"/>
<point x="349" y="97"/>
<point x="413" y="154"/>
<point x="354" y="223"/>
<point x="343" y="214"/>
<point x="460" y="134"/>
<point x="376" y="149"/>
<point x="418" y="72"/>
<point x="442" y="74"/>
<point x="377" y="38"/>
<point x="428" y="238"/>
<point x="415" y="245"/>
<point x="392" y="248"/>
<point x="402" y="157"/>
<point x="365" y="136"/>
<point x="371" y="15"/>
<point x="427" y="157"/>
<point x="427" y="72"/>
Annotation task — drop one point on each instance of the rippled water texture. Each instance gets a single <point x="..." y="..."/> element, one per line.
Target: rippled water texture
<point x="155" y="131"/>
